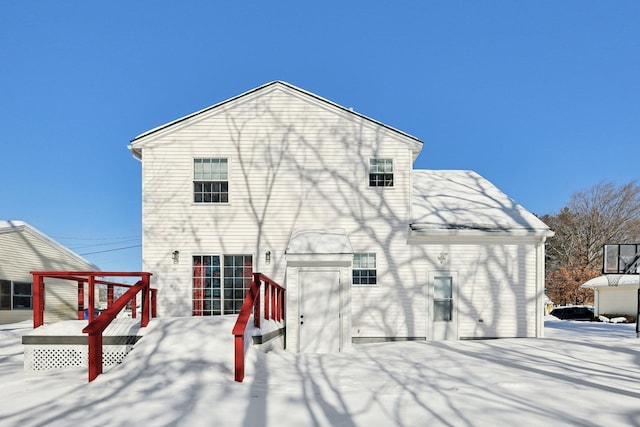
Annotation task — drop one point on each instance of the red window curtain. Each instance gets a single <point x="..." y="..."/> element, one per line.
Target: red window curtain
<point x="248" y="272"/>
<point x="198" y="285"/>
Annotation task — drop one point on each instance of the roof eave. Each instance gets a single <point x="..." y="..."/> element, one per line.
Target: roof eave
<point x="26" y="228"/>
<point x="418" y="232"/>
<point x="417" y="143"/>
<point x="137" y="152"/>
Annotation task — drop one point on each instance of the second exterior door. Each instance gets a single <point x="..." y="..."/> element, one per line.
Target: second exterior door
<point x="443" y="305"/>
<point x="319" y="316"/>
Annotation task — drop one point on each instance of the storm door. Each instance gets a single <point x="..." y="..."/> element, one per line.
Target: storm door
<point x="444" y="313"/>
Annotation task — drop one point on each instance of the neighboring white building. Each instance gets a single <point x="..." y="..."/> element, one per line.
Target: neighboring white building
<point x="24" y="249"/>
<point x="616" y="294"/>
<point x="326" y="202"/>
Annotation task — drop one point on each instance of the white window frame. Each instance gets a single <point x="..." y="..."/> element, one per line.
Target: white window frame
<point x="364" y="262"/>
<point x="381" y="172"/>
<point x="229" y="296"/>
<point x="210" y="178"/>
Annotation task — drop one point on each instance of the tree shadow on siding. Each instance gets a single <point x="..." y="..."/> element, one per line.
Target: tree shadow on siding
<point x="300" y="164"/>
<point x="306" y="166"/>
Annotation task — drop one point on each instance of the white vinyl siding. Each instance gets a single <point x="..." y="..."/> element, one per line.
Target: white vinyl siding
<point x="297" y="163"/>
<point x="311" y="174"/>
<point x="496" y="291"/>
<point x="618" y="300"/>
<point x="21" y="251"/>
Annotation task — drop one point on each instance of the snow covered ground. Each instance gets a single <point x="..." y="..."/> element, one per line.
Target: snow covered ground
<point x="181" y="374"/>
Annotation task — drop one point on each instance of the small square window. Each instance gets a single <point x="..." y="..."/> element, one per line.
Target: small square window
<point x="364" y="269"/>
<point x="380" y="173"/>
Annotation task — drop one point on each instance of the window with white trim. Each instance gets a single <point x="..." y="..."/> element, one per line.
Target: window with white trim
<point x="15" y="295"/>
<point x="220" y="283"/>
<point x="210" y="180"/>
<point x="364" y="269"/>
<point x="380" y="173"/>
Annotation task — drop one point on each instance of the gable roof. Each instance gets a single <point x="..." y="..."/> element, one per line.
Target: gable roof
<point x="463" y="203"/>
<point x="14" y="226"/>
<point x="263" y="89"/>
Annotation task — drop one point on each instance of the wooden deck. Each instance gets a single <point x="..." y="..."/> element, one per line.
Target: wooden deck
<point x="119" y="332"/>
<point x="63" y="344"/>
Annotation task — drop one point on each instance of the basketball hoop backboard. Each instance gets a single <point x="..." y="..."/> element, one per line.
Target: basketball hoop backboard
<point x="621" y="259"/>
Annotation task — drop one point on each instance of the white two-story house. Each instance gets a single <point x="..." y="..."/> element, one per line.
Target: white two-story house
<point x="326" y="202"/>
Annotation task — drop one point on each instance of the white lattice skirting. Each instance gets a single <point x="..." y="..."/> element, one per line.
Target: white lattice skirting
<point x="64" y="345"/>
<point x="47" y="357"/>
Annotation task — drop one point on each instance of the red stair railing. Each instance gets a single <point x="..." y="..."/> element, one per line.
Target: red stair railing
<point x="97" y="324"/>
<point x="273" y="309"/>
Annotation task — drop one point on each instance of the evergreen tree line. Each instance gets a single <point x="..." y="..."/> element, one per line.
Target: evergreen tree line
<point x="603" y="214"/>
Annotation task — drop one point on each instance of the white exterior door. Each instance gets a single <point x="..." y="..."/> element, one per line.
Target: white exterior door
<point x="444" y="305"/>
<point x="319" y="316"/>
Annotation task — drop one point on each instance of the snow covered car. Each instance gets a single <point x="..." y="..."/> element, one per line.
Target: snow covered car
<point x="574" y="313"/>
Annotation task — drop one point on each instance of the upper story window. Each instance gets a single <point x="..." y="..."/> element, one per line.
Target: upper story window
<point x="380" y="173"/>
<point x="364" y="269"/>
<point x="15" y="295"/>
<point x="210" y="180"/>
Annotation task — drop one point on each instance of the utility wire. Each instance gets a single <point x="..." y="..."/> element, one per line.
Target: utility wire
<point x="111" y="250"/>
<point x="104" y="244"/>
<point x="96" y="238"/>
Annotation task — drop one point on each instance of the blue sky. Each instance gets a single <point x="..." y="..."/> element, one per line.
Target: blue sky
<point x="541" y="97"/>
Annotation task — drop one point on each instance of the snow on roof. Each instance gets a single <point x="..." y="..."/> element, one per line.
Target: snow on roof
<point x="613" y="280"/>
<point x="13" y="225"/>
<point x="459" y="201"/>
<point x="326" y="241"/>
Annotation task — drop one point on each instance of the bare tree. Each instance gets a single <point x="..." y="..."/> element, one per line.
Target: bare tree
<point x="605" y="213"/>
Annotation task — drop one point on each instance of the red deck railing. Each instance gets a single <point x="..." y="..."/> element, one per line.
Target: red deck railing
<point x="273" y="309"/>
<point x="97" y="324"/>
